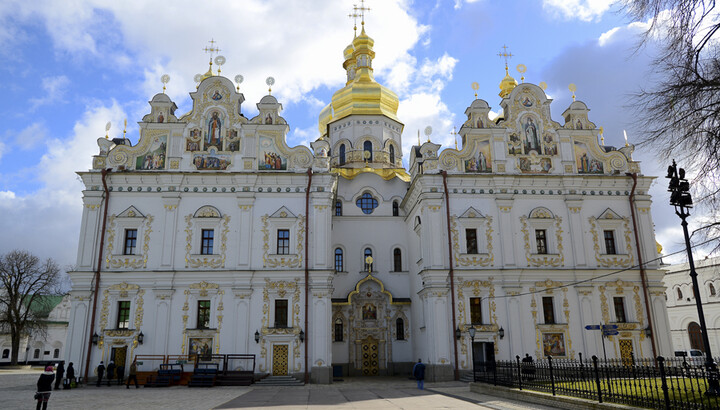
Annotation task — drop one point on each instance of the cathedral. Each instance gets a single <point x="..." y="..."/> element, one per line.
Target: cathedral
<point x="212" y="236"/>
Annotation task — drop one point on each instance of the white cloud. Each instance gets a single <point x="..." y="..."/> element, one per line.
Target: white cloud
<point x="585" y="10"/>
<point x="54" y="88"/>
<point x="4" y="195"/>
<point x="29" y="137"/>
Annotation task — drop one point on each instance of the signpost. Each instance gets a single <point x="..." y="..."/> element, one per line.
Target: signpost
<point x="606" y="330"/>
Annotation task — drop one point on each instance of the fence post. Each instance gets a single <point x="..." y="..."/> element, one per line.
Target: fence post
<point x="582" y="373"/>
<point x="666" y="393"/>
<point x="597" y="377"/>
<point x="494" y="365"/>
<point x="552" y="379"/>
<point x="517" y="357"/>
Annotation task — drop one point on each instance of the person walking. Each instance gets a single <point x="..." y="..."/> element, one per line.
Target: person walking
<point x="120" y="372"/>
<point x="59" y="373"/>
<point x="132" y="375"/>
<point x="100" y="372"/>
<point x="44" y="388"/>
<point x="70" y="375"/>
<point x="418" y="372"/>
<point x="110" y="372"/>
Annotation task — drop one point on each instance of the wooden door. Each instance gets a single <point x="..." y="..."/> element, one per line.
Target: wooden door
<point x="280" y="360"/>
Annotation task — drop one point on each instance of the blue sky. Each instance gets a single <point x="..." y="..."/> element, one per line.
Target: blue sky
<point x="69" y="67"/>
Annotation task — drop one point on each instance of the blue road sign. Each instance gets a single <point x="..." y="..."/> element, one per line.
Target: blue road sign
<point x="609" y="327"/>
<point x="592" y="327"/>
<point x="610" y="332"/>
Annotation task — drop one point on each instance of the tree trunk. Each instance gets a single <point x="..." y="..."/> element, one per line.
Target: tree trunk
<point x="15" y="342"/>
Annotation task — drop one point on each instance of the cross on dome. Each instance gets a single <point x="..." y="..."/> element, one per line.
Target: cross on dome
<point x="354" y="15"/>
<point x="504" y="54"/>
<point x="362" y="10"/>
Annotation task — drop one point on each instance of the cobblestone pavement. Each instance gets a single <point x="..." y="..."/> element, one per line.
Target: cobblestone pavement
<point x="17" y="389"/>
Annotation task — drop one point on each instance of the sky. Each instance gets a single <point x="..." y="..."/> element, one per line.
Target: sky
<point x="69" y="67"/>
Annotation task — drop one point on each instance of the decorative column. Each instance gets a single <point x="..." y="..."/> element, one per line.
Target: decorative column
<point x="245" y="231"/>
<point x="513" y="324"/>
<point x="661" y="323"/>
<point x="439" y="341"/>
<point x="243" y="334"/>
<point x="433" y="226"/>
<point x="169" y="229"/>
<point x="89" y="230"/>
<point x="590" y="338"/>
<point x="576" y="231"/>
<point x="507" y="243"/>
<point x="320" y="322"/>
<point x="320" y="231"/>
<point x="161" y="327"/>
<point x="77" y="338"/>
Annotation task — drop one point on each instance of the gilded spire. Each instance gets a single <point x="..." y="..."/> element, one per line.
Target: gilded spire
<point x="211" y="50"/>
<point x="508" y="83"/>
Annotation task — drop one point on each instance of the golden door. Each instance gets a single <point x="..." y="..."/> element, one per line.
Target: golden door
<point x="280" y="360"/>
<point x="626" y="351"/>
<point x="370" y="365"/>
<point x="118" y="355"/>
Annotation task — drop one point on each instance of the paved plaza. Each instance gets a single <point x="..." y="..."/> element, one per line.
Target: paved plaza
<point x="17" y="389"/>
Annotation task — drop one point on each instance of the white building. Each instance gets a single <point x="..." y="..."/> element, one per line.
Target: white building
<point x="682" y="309"/>
<point x="216" y="230"/>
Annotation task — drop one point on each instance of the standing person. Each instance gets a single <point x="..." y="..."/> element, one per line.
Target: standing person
<point x="100" y="372"/>
<point x="60" y="372"/>
<point x="110" y="372"/>
<point x="70" y="375"/>
<point x="120" y="374"/>
<point x="44" y="388"/>
<point x="132" y="375"/>
<point x="419" y="374"/>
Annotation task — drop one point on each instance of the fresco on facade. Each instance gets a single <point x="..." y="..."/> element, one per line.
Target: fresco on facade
<point x="214" y="131"/>
<point x="211" y="161"/>
<point x="201" y="346"/>
<point x="531" y="136"/>
<point x="154" y="158"/>
<point x="369" y="312"/>
<point x="480" y="162"/>
<point x="232" y="143"/>
<point x="586" y="164"/>
<point x="553" y="344"/>
<point x="268" y="156"/>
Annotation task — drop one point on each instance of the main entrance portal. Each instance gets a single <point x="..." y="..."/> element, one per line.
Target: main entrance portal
<point x="370" y="364"/>
<point x="280" y="360"/>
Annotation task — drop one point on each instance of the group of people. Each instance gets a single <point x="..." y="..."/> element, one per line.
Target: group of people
<point x="117" y="372"/>
<point x="44" y="383"/>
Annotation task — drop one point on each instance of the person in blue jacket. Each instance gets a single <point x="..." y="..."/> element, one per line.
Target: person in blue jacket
<point x="419" y="374"/>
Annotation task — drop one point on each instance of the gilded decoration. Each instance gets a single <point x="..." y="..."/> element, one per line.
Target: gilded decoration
<point x="123" y="290"/>
<point x="384" y="173"/>
<point x="612" y="260"/>
<point x="214" y="261"/>
<point x="356" y="291"/>
<point x="124" y="155"/>
<point x="288" y="261"/>
<point x="620" y="287"/>
<point x="220" y="315"/>
<point x="466" y="259"/>
<point x="535" y="259"/>
<point x="476" y="288"/>
<point x="128" y="261"/>
<point x="281" y="288"/>
<point x="546" y="335"/>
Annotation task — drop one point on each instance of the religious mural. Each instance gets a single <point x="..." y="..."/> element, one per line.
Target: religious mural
<point x="154" y="158"/>
<point x="268" y="156"/>
<point x="531" y="135"/>
<point x="586" y="164"/>
<point x="193" y="142"/>
<point x="201" y="346"/>
<point x="482" y="161"/>
<point x="369" y="312"/>
<point x="211" y="161"/>
<point x="214" y="131"/>
<point x="553" y="344"/>
<point x="233" y="143"/>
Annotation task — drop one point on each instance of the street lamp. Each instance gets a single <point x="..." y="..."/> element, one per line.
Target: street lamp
<point x="257" y="337"/>
<point x="472" y="331"/>
<point x="95" y="338"/>
<point x="501" y="332"/>
<point x="680" y="198"/>
<point x="458" y="333"/>
<point x="302" y="336"/>
<point x="141" y="337"/>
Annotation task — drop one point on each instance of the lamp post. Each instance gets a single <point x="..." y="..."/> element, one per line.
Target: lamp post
<point x="472" y="331"/>
<point x="682" y="201"/>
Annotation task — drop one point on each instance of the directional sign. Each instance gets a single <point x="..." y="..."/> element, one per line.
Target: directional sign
<point x="610" y="332"/>
<point x="608" y="327"/>
<point x="592" y="327"/>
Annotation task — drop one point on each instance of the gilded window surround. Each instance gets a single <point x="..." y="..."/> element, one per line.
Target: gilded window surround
<point x="610" y="221"/>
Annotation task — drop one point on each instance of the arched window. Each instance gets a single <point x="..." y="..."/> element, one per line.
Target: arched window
<point x="367" y="147"/>
<point x="342" y="154"/>
<point x="338" y="330"/>
<point x="400" y="329"/>
<point x="396" y="208"/>
<point x="368" y="266"/>
<point x="36" y="354"/>
<point x="339" y="260"/>
<point x="367" y="203"/>
<point x="695" y="336"/>
<point x="712" y="289"/>
<point x="397" y="260"/>
<point x="679" y="294"/>
<point x="6" y="353"/>
<point x="338" y="208"/>
<point x="56" y="353"/>
<point x="392" y="155"/>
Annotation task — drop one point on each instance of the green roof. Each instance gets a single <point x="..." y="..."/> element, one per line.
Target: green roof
<point x="44" y="304"/>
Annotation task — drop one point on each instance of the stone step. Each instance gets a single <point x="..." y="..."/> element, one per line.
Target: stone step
<point x="279" y="381"/>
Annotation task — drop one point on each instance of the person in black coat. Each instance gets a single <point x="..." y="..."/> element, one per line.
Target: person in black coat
<point x="70" y="374"/>
<point x="100" y="373"/>
<point x="44" y="388"/>
<point x="110" y="371"/>
<point x="120" y="373"/>
<point x="59" y="373"/>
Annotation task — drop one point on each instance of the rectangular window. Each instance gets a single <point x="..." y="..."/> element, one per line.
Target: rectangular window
<point x="609" y="242"/>
<point x="471" y="240"/>
<point x="619" y="303"/>
<point x="123" y="316"/>
<point x="338" y="330"/>
<point x="283" y="242"/>
<point x="339" y="260"/>
<point x="281" y="313"/>
<point x="130" y="241"/>
<point x="338" y="208"/>
<point x="548" y="310"/>
<point x="208" y="237"/>
<point x="203" y="314"/>
<point x="475" y="311"/>
<point x="541" y="241"/>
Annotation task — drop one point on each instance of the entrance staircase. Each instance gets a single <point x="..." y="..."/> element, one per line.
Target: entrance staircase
<point x="279" y="381"/>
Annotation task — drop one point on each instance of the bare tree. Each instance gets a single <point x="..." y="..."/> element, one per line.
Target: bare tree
<point x="680" y="114"/>
<point x="25" y="280"/>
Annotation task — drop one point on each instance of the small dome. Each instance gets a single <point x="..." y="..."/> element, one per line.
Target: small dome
<point x="348" y="52"/>
<point x="507" y="85"/>
<point x="363" y="39"/>
<point x="161" y="97"/>
<point x="268" y="99"/>
<point x="578" y="105"/>
<point x="478" y="103"/>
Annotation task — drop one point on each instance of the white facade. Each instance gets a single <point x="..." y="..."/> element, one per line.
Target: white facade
<point x="42" y="347"/>
<point x="682" y="309"/>
<point x="518" y="214"/>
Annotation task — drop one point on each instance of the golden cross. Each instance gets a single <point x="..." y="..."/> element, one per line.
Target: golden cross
<point x="506" y="56"/>
<point x="454" y="134"/>
<point x="354" y="15"/>
<point x="212" y="49"/>
<point x="362" y="10"/>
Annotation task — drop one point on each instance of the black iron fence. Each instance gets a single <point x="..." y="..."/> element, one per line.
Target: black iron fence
<point x="661" y="383"/>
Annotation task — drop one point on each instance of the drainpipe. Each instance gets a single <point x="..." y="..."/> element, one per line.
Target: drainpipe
<point x="451" y="272"/>
<point x="307" y="272"/>
<point x="104" y="174"/>
<point x="643" y="276"/>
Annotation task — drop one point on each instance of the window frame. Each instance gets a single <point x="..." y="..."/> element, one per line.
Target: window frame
<point x="130" y="250"/>
<point x="471" y="241"/>
<point x="338" y="326"/>
<point x="338" y="208"/>
<point x="204" y="310"/>
<point x="548" y="304"/>
<point x="475" y="309"/>
<point x="368" y="252"/>
<point x="122" y="316"/>
<point x="397" y="260"/>
<point x="341" y="261"/>
<point x="400" y="329"/>
<point x="541" y="242"/>
<point x="36" y="353"/>
<point x="207" y="243"/>
<point x="341" y="155"/>
<point x="392" y="154"/>
<point x="367" y="203"/>
<point x="610" y="242"/>
<point x="5" y="353"/>
<point x="282" y="244"/>
<point x="368" y="147"/>
<point x="395" y="208"/>
<point x="281" y="311"/>
<point x="619" y="309"/>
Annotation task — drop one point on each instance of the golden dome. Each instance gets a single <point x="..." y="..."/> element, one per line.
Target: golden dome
<point x="507" y="84"/>
<point x="362" y="94"/>
<point x="658" y="247"/>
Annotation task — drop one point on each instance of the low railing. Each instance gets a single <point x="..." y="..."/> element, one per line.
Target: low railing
<point x="661" y="383"/>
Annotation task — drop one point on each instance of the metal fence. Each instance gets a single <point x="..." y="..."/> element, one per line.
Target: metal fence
<point x="661" y="383"/>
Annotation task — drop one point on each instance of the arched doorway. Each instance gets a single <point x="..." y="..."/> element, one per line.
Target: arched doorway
<point x="695" y="336"/>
